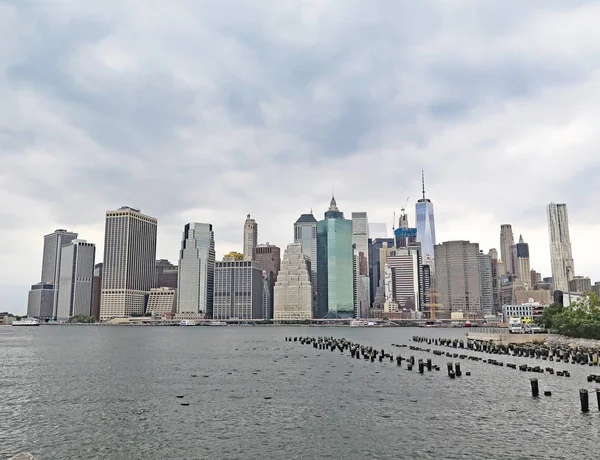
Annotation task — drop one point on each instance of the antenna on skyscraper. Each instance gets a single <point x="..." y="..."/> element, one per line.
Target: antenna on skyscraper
<point x="423" y="182"/>
<point x="394" y="223"/>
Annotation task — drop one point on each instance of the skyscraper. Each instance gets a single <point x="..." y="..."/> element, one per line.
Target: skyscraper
<point x="486" y="283"/>
<point x="196" y="270"/>
<point x="376" y="266"/>
<point x="497" y="272"/>
<point x="404" y="265"/>
<point x="506" y="241"/>
<point x="523" y="265"/>
<point x="305" y="233"/>
<point x="268" y="257"/>
<point x="250" y="237"/>
<point x="293" y="290"/>
<point x="362" y="301"/>
<point x="561" y="256"/>
<point x="457" y="277"/>
<point x="425" y="226"/>
<point x="404" y="235"/>
<point x="129" y="267"/>
<point x="238" y="290"/>
<point x="53" y="244"/>
<point x="335" y="280"/>
<point x="360" y="241"/>
<point x="76" y="279"/>
<point x="96" y="290"/>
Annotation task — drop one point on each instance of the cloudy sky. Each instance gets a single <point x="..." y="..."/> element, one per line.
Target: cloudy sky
<point x="207" y="111"/>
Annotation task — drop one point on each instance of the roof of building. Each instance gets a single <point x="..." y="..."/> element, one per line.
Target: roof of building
<point x="306" y="218"/>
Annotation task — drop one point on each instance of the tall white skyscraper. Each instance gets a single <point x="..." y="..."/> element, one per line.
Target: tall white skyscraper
<point x="425" y="227"/>
<point x="196" y="270"/>
<point x="129" y="267"/>
<point x="76" y="279"/>
<point x="53" y="244"/>
<point x="293" y="290"/>
<point x="305" y="233"/>
<point x="561" y="256"/>
<point x="250" y="237"/>
<point x="507" y="241"/>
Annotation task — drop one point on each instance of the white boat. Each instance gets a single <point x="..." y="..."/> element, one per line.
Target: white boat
<point x="26" y="322"/>
<point x="217" y="323"/>
<point x="187" y="322"/>
<point x="363" y="323"/>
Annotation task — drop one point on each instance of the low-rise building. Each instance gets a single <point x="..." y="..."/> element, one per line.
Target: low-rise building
<point x="162" y="300"/>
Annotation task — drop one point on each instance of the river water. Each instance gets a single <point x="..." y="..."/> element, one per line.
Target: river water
<point x="90" y="392"/>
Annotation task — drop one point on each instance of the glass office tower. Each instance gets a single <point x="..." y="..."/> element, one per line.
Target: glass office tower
<point x="335" y="262"/>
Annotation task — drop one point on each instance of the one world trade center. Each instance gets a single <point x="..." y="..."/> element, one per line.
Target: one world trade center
<point x="425" y="226"/>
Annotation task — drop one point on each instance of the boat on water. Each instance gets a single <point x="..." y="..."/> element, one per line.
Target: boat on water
<point x="217" y="323"/>
<point x="187" y="322"/>
<point x="26" y="322"/>
<point x="363" y="323"/>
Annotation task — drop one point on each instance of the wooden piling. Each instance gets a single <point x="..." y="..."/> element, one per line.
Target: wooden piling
<point x="583" y="399"/>
<point x="535" y="389"/>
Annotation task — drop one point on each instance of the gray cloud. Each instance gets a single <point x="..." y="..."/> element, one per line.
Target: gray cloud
<point x="209" y="111"/>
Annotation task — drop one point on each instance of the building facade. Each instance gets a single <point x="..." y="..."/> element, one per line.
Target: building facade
<point x="129" y="267"/>
<point x="76" y="279"/>
<point x="362" y="300"/>
<point x="378" y="247"/>
<point x="506" y="241"/>
<point x="404" y="272"/>
<point x="238" y="290"/>
<point x="40" y="303"/>
<point x="360" y="243"/>
<point x="561" y="256"/>
<point x="53" y="244"/>
<point x="335" y="256"/>
<point x="486" y="283"/>
<point x="457" y="277"/>
<point x="268" y="257"/>
<point x="305" y="233"/>
<point x="97" y="290"/>
<point x="580" y="284"/>
<point x="250" y="237"/>
<point x="523" y="265"/>
<point x="196" y="270"/>
<point x="426" y="227"/>
<point x="293" y="289"/>
<point x="162" y="300"/>
<point x="166" y="274"/>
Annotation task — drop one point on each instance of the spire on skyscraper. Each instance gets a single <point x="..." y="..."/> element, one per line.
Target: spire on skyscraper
<point x="521" y="239"/>
<point x="333" y="204"/>
<point x="333" y="212"/>
<point x="423" y="182"/>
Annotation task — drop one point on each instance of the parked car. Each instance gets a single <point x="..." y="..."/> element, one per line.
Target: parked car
<point x="533" y="328"/>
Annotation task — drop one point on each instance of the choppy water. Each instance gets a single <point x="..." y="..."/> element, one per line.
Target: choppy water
<point x="110" y="392"/>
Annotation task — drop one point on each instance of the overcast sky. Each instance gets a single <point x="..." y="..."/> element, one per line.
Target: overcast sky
<point x="207" y="111"/>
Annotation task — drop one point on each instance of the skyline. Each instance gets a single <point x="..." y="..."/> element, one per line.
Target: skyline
<point x="219" y="254"/>
<point x="266" y="109"/>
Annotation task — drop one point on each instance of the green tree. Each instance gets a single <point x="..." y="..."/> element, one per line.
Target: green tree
<point x="580" y="319"/>
<point x="549" y="314"/>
